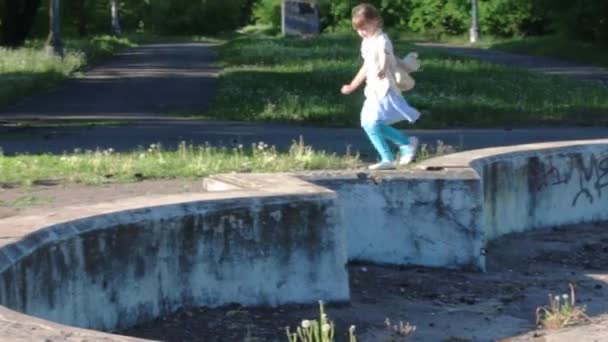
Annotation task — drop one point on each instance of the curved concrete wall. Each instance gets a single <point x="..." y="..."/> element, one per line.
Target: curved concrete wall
<point x="114" y="270"/>
<point x="539" y="185"/>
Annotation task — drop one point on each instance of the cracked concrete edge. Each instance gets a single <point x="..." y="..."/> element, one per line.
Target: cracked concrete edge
<point x="465" y="159"/>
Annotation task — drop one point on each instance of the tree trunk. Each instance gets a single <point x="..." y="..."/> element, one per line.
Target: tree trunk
<point x="82" y="17"/>
<point x="17" y="18"/>
<point x="115" y="18"/>
<point x="54" y="45"/>
<point x="474" y="32"/>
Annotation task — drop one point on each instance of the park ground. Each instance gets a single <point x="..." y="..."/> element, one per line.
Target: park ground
<point x="444" y="305"/>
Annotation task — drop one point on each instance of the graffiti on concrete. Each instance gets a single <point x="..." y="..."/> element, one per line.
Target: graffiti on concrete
<point x="591" y="176"/>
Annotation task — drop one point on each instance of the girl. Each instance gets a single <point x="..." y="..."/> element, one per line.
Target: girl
<point x="383" y="104"/>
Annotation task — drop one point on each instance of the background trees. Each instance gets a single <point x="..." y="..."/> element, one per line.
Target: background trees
<point x="585" y="20"/>
<point x="16" y="19"/>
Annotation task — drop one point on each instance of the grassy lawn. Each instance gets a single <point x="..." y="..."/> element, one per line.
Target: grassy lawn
<point x="27" y="70"/>
<point x="298" y="80"/>
<point x="557" y="47"/>
<point x="188" y="161"/>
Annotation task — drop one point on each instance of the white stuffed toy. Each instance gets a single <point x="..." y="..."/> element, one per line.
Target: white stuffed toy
<point x="403" y="68"/>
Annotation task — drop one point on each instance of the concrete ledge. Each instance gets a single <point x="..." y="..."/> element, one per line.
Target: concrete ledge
<point x="115" y="269"/>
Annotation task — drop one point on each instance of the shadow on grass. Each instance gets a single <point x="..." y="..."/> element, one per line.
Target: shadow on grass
<point x="17" y="85"/>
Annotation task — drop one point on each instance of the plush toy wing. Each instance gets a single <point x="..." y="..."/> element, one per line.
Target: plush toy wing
<point x="411" y="62"/>
<point x="403" y="68"/>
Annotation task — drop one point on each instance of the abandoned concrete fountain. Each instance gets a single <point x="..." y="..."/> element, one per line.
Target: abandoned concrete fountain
<point x="260" y="239"/>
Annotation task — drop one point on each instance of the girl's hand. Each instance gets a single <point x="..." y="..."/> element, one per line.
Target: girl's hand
<point x="347" y="89"/>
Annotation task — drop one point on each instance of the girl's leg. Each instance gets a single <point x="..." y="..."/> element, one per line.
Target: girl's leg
<point x="407" y="146"/>
<point x="374" y="132"/>
<point x="394" y="135"/>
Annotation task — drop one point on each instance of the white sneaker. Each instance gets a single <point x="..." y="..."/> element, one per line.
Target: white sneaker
<point x="383" y="165"/>
<point x="408" y="152"/>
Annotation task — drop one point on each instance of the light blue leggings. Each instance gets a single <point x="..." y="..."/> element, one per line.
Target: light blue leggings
<point x="378" y="133"/>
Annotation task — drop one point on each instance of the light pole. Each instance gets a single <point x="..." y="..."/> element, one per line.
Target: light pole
<point x="474" y="31"/>
<point x="54" y="45"/>
<point x="115" y="18"/>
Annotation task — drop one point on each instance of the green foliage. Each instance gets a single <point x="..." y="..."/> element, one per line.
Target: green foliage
<point x="506" y="18"/>
<point x="268" y="12"/>
<point x="193" y="17"/>
<point x="585" y="20"/>
<point x="580" y="19"/>
<point x="26" y="70"/>
<point x="440" y="16"/>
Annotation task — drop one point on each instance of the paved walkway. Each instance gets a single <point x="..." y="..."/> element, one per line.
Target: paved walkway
<point x="141" y="85"/>
<point x="544" y="65"/>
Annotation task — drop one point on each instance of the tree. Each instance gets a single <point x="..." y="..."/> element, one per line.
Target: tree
<point x="16" y="20"/>
<point x="54" y="45"/>
<point x="115" y="18"/>
<point x="474" y="31"/>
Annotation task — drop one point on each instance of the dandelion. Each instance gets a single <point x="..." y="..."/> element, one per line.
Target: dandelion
<point x="305" y="324"/>
<point x="565" y="296"/>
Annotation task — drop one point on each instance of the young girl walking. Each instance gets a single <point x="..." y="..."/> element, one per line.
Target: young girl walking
<point x="384" y="105"/>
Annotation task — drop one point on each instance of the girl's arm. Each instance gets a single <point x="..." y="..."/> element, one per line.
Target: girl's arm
<point x="382" y="63"/>
<point x="355" y="83"/>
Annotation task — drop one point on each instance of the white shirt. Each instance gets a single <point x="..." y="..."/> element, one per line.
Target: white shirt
<point x="371" y="50"/>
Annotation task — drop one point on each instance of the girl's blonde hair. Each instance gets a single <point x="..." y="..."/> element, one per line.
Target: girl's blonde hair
<point x="365" y="13"/>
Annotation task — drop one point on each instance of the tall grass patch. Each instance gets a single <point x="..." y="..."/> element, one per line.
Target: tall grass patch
<point x="26" y="70"/>
<point x="156" y="162"/>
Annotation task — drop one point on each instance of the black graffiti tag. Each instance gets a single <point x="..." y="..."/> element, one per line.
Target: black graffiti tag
<point x="598" y="170"/>
<point x="541" y="175"/>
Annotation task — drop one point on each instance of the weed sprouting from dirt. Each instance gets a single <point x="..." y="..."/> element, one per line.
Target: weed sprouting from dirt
<point x="561" y="312"/>
<point x="317" y="331"/>
<point x="399" y="332"/>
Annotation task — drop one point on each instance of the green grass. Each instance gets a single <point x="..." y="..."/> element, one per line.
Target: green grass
<point x="27" y="70"/>
<point x="298" y="80"/>
<point x="155" y="162"/>
<point x="557" y="47"/>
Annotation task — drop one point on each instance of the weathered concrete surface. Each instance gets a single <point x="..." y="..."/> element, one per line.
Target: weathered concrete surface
<point x="399" y="217"/>
<point x="17" y="327"/>
<point x="538" y="185"/>
<point x="404" y="217"/>
<point x="151" y="256"/>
